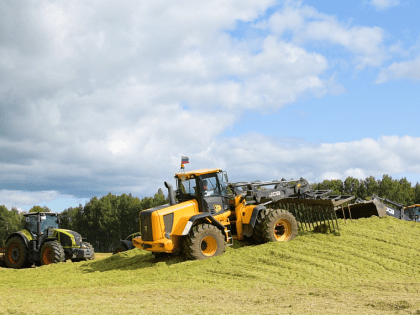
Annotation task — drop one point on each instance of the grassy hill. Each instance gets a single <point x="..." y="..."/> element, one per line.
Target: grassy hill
<point x="372" y="268"/>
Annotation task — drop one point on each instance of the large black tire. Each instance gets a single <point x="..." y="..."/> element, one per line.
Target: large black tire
<point x="16" y="253"/>
<point x="120" y="248"/>
<point x="91" y="249"/>
<point x="257" y="233"/>
<point x="279" y="226"/>
<point x="204" y="241"/>
<point x="51" y="253"/>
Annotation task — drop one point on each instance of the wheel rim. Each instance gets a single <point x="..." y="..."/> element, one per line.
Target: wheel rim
<point x="14" y="254"/>
<point x="208" y="246"/>
<point x="282" y="230"/>
<point x="46" y="256"/>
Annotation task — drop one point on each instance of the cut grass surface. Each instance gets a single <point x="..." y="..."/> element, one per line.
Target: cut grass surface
<point x="372" y="268"/>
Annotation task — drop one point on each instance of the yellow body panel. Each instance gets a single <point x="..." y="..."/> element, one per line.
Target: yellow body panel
<point x="163" y="245"/>
<point x="182" y="213"/>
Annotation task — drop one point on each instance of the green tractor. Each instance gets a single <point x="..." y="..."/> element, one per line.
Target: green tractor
<point x="42" y="242"/>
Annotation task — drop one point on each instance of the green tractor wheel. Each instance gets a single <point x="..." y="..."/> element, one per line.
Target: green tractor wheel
<point x="52" y="252"/>
<point x="16" y="253"/>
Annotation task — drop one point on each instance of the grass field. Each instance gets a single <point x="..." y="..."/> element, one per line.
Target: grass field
<point x="372" y="268"/>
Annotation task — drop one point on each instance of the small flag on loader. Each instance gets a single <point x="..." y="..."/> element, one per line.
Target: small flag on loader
<point x="185" y="160"/>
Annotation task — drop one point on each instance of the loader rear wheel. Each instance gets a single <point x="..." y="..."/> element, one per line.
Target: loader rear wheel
<point x="257" y="233"/>
<point x="204" y="241"/>
<point x="52" y="252"/>
<point x="16" y="253"/>
<point x="279" y="226"/>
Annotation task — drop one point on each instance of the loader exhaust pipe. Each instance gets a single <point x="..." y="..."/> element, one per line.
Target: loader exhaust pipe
<point x="171" y="195"/>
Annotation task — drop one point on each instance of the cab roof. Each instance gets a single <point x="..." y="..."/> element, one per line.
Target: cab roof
<point x="42" y="213"/>
<point x="198" y="172"/>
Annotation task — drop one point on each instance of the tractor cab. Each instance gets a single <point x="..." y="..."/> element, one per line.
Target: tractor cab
<point x="207" y="186"/>
<point x="46" y="220"/>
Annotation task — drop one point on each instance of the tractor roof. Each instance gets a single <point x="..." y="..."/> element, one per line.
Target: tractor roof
<point x="42" y="213"/>
<point x="198" y="172"/>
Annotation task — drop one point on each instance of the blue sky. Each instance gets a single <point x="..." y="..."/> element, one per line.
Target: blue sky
<point x="106" y="97"/>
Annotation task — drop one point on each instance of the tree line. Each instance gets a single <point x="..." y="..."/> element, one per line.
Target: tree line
<point x="106" y="220"/>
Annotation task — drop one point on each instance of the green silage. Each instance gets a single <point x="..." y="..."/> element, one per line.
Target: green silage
<point x="372" y="268"/>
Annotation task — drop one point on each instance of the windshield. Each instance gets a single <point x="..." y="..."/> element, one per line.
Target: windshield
<point x="49" y="222"/>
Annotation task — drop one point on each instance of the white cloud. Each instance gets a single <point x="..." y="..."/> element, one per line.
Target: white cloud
<point x="307" y="24"/>
<point x="384" y="4"/>
<point x="98" y="97"/>
<point x="406" y="70"/>
<point x="269" y="158"/>
<point x="18" y="198"/>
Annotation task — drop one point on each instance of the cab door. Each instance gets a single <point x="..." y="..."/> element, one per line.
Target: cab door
<point x="213" y="194"/>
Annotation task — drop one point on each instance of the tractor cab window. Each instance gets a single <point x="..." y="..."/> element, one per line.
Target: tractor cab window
<point x="49" y="222"/>
<point x="31" y="224"/>
<point x="46" y="222"/>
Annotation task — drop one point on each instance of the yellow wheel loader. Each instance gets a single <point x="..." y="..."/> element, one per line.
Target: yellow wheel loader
<point x="202" y="216"/>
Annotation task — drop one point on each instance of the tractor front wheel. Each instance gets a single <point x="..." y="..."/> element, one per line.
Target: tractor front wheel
<point x="52" y="252"/>
<point x="279" y="226"/>
<point x="204" y="241"/>
<point x="16" y="253"/>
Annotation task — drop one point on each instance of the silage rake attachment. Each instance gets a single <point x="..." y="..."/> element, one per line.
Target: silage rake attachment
<point x="315" y="214"/>
<point x="313" y="209"/>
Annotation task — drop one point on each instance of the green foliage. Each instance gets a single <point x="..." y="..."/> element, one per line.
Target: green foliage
<point x="40" y="209"/>
<point x="10" y="221"/>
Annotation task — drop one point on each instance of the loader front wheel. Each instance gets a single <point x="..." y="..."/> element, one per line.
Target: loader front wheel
<point x="279" y="226"/>
<point x="52" y="252"/>
<point x="257" y="233"/>
<point x="204" y="241"/>
<point x="16" y="253"/>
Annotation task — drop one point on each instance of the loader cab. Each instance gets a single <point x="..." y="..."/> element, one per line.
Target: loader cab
<point x="207" y="186"/>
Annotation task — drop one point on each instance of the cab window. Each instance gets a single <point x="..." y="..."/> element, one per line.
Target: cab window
<point x="187" y="186"/>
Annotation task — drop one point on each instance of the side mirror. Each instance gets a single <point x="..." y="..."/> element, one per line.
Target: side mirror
<point x="27" y="219"/>
<point x="43" y="218"/>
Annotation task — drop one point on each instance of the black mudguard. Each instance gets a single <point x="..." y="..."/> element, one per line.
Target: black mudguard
<point x="255" y="213"/>
<point x="128" y="244"/>
<point x="194" y="218"/>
